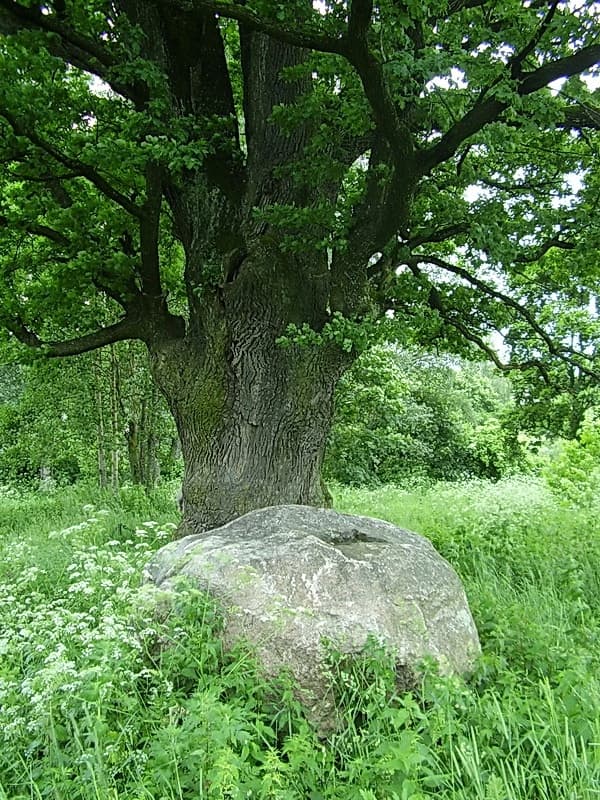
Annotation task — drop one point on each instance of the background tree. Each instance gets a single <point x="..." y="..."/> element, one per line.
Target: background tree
<point x="94" y="417"/>
<point x="405" y="416"/>
<point x="260" y="165"/>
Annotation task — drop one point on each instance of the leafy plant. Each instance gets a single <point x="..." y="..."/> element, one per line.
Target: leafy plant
<point x="404" y="416"/>
<point x="573" y="473"/>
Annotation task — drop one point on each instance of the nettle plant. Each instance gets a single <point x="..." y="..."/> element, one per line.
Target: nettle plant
<point x="221" y="179"/>
<point x="69" y="639"/>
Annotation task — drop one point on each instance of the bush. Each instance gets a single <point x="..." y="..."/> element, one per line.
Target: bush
<point x="405" y="417"/>
<point x="573" y="473"/>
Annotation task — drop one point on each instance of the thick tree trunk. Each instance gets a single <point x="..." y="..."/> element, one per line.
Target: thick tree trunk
<point x="253" y="417"/>
<point x="268" y="456"/>
<point x="253" y="420"/>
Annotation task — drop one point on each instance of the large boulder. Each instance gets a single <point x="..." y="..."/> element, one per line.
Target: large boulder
<point x="290" y="577"/>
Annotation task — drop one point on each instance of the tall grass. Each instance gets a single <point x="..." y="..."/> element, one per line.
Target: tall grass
<point x="102" y="699"/>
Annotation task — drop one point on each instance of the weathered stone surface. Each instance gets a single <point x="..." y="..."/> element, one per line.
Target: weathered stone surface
<point x="287" y="576"/>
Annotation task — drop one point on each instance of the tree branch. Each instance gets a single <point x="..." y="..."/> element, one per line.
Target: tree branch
<point x="370" y="72"/>
<point x="454" y="6"/>
<point x="300" y="36"/>
<point x="439" y="235"/>
<point x="451" y="317"/>
<point x="488" y="290"/>
<point x="581" y="116"/>
<point x="543" y="249"/>
<point x="359" y="19"/>
<point x="41" y="230"/>
<point x="49" y="233"/>
<point x="353" y="46"/>
<point x="517" y="60"/>
<point x="83" y="170"/>
<point x="15" y="17"/>
<point x="127" y="328"/>
<point x="515" y="188"/>
<point x="487" y="111"/>
<point x="587" y="57"/>
<point x="479" y="342"/>
<point x="66" y="43"/>
<point x="109" y="291"/>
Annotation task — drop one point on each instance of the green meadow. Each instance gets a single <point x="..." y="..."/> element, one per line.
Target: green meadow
<point x="100" y="699"/>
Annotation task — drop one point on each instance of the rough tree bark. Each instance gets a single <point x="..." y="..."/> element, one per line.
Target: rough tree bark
<point x="252" y="417"/>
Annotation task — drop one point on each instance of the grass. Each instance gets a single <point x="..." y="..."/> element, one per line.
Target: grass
<point x="93" y="705"/>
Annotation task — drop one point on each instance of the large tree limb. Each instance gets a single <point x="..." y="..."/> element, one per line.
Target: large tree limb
<point x="540" y="251"/>
<point x="385" y="206"/>
<point x="45" y="231"/>
<point x="486" y="111"/>
<point x="438" y="234"/>
<point x="89" y="55"/>
<point x="138" y="324"/>
<point x="519" y="58"/>
<point x="382" y="211"/>
<point x="15" y="17"/>
<point x="359" y="19"/>
<point x="127" y="328"/>
<point x="352" y="45"/>
<point x="300" y="35"/>
<point x="396" y="132"/>
<point x="370" y="72"/>
<point x="561" y="68"/>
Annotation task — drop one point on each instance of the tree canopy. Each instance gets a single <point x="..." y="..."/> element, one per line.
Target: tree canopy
<point x="406" y="416"/>
<point x="390" y="114"/>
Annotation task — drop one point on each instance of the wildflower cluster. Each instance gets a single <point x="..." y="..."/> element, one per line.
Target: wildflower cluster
<point x="74" y="644"/>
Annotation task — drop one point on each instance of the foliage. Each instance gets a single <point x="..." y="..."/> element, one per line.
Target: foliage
<point x="46" y="428"/>
<point x="84" y="416"/>
<point x="573" y="473"/>
<point x="95" y="706"/>
<point x="408" y="416"/>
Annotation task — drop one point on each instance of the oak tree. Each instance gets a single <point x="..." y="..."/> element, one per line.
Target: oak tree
<point x="257" y="187"/>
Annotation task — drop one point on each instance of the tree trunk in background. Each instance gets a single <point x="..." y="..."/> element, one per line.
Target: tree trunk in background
<point x="151" y="475"/>
<point x="133" y="451"/>
<point x="100" y="427"/>
<point x="143" y="441"/>
<point x="175" y="449"/>
<point x="115" y="390"/>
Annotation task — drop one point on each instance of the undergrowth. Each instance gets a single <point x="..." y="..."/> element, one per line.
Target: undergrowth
<point x="101" y="698"/>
